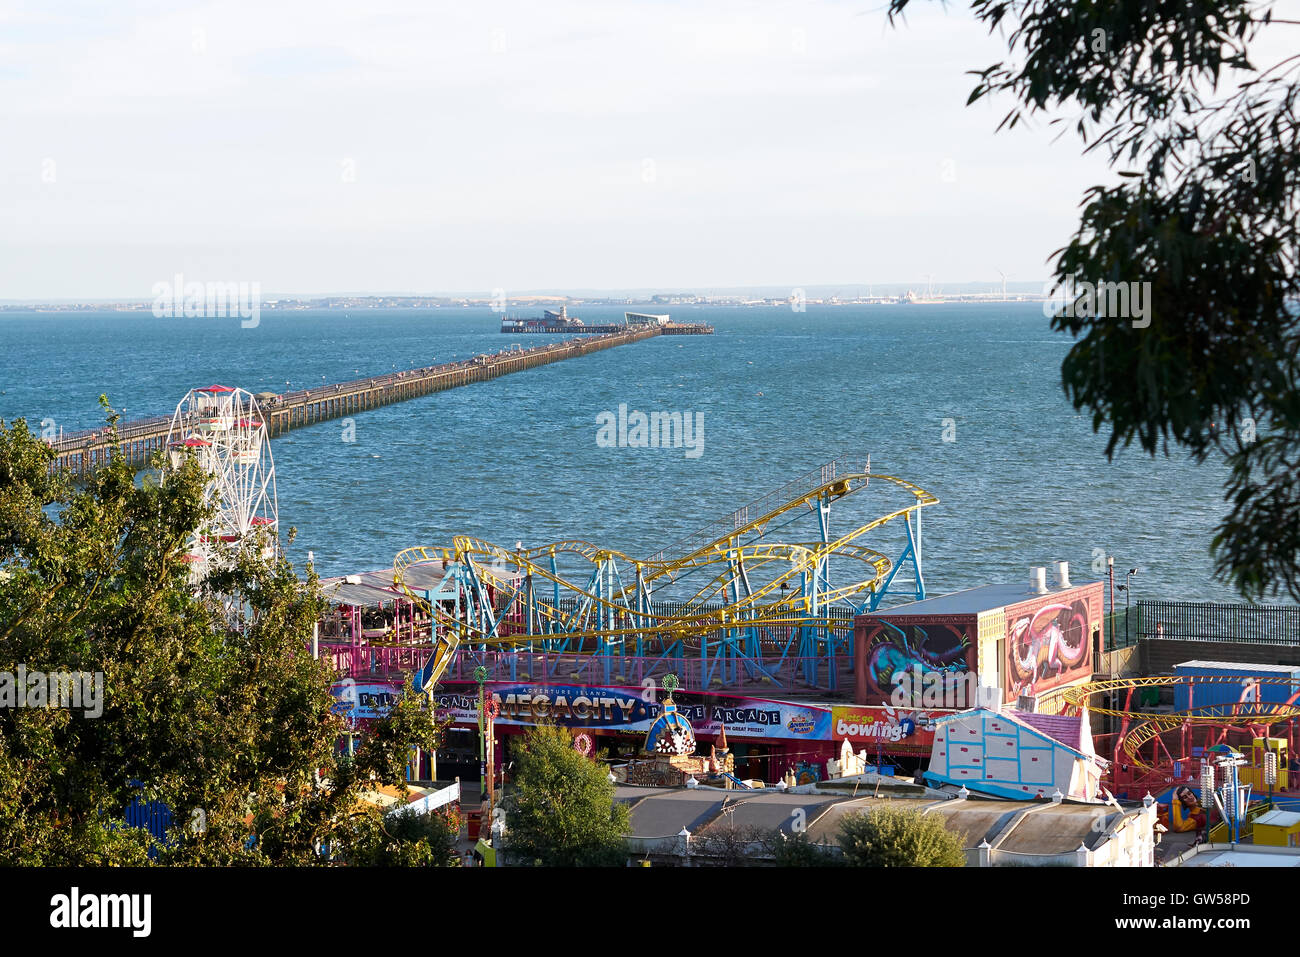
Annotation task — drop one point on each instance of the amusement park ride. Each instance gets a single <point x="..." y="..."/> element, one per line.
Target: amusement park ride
<point x="767" y="586"/>
<point x="742" y="593"/>
<point x="768" y="590"/>
<point x="1153" y="751"/>
<point x="224" y="431"/>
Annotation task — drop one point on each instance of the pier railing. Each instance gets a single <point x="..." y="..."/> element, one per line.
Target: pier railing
<point x="83" y="452"/>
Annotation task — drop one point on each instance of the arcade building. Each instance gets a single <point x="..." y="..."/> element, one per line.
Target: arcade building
<point x="907" y="668"/>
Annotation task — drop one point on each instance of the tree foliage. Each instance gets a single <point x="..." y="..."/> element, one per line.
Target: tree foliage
<point x="898" y="837"/>
<point x="1206" y="144"/>
<point x="562" y="811"/>
<point x="228" y="724"/>
<point x="798" y="850"/>
<point x="724" y="844"/>
<point x="731" y="845"/>
<point x="376" y="839"/>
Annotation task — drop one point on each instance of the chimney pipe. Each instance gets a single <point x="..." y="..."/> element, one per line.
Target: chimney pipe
<point x="1038" y="579"/>
<point x="1063" y="574"/>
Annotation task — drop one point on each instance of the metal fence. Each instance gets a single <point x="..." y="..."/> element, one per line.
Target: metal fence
<point x="765" y="677"/>
<point x="1000" y="858"/>
<point x="776" y="675"/>
<point x="1210" y="621"/>
<point x="1120" y="629"/>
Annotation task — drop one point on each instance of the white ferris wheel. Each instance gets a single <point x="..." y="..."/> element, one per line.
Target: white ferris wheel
<point x="224" y="429"/>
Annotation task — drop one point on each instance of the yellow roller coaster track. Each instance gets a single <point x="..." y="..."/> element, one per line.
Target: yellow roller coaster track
<point x="504" y="569"/>
<point x="1148" y="725"/>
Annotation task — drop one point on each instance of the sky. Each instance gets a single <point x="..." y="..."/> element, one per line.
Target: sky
<point x="318" y="147"/>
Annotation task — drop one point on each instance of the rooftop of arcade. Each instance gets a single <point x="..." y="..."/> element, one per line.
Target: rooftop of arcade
<point x="975" y="601"/>
<point x="1017" y="827"/>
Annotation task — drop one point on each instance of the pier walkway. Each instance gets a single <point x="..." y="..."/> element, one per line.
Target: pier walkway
<point x="82" y="452"/>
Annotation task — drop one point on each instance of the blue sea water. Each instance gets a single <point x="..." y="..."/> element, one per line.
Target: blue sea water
<point x="1022" y="482"/>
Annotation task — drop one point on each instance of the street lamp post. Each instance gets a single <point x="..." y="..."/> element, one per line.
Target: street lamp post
<point x="1110" y="572"/>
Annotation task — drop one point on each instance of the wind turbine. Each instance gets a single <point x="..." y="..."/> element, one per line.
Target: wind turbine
<point x="1004" y="284"/>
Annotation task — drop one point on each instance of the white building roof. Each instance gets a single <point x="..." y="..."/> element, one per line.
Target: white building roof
<point x="974" y="601"/>
<point x="1279" y="818"/>
<point x="1242" y="666"/>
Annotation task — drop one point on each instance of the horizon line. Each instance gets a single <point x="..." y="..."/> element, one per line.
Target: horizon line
<point x="769" y="290"/>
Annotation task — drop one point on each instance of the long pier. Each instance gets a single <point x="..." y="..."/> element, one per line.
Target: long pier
<point x="83" y="452"/>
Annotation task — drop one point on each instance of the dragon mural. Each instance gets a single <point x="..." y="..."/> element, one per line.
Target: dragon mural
<point x="1043" y="648"/>
<point x="944" y="651"/>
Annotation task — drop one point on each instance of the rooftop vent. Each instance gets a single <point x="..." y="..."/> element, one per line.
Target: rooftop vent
<point x="1038" y="580"/>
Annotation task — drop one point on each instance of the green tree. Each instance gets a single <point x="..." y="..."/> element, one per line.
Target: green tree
<point x="562" y="810"/>
<point x="889" y="836"/>
<point x="798" y="850"/>
<point x="376" y="839"/>
<point x="1206" y="144"/>
<point x="730" y="845"/>
<point x="228" y="723"/>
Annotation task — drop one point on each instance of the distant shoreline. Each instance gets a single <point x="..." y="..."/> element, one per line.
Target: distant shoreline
<point x="338" y="304"/>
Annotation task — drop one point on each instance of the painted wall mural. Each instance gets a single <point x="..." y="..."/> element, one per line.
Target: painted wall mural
<point x="1048" y="645"/>
<point x="913" y="654"/>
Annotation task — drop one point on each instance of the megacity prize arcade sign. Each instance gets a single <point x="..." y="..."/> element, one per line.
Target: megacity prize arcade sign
<point x="601" y="708"/>
<point x="626" y="709"/>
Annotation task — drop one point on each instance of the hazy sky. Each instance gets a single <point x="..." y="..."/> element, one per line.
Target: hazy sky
<point x="431" y="146"/>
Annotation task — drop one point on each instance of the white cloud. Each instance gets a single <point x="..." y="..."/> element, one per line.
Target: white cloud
<point x="799" y="139"/>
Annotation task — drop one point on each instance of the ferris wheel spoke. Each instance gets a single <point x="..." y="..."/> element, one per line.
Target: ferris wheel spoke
<point x="224" y="431"/>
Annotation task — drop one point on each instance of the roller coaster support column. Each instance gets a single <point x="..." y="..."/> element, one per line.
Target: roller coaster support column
<point x="608" y="581"/>
<point x="911" y="553"/>
<point x="555" y="583"/>
<point x="477" y="593"/>
<point x="642" y="609"/>
<point x="1123" y="727"/>
<point x="747" y="641"/>
<point x="826" y="642"/>
<point x="822" y="568"/>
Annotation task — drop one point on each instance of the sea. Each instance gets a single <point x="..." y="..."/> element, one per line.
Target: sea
<point x="961" y="399"/>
